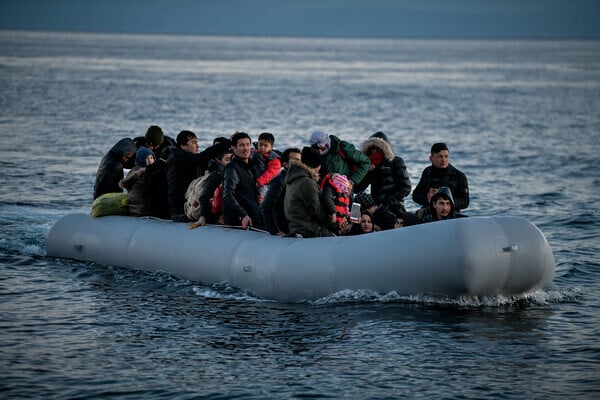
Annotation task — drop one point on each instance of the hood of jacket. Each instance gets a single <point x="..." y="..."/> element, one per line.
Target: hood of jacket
<point x="443" y="191"/>
<point x="136" y="173"/>
<point x="299" y="170"/>
<point x="380" y="144"/>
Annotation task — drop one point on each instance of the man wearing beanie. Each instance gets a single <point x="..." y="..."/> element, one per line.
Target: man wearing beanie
<point x="302" y="204"/>
<point x="448" y="175"/>
<point x="155" y="140"/>
<point x="340" y="157"/>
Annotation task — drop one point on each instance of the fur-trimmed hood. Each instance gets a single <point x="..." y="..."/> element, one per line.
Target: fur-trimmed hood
<point x="380" y="144"/>
<point x="298" y="169"/>
<point x="133" y="175"/>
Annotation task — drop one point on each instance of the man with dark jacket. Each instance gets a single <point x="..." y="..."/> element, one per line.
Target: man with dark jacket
<point x="184" y="165"/>
<point x="272" y="207"/>
<point x="302" y="202"/>
<point x="110" y="170"/>
<point x="450" y="177"/>
<point x="155" y="140"/>
<point x="441" y="207"/>
<point x="240" y="194"/>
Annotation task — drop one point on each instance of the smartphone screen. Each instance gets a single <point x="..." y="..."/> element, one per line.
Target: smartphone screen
<point x="354" y="212"/>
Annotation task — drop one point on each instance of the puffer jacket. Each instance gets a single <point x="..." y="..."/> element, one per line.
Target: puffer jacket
<point x="345" y="159"/>
<point x="302" y="204"/>
<point x="240" y="195"/>
<point x="389" y="181"/>
<point x="110" y="170"/>
<point x="136" y="194"/>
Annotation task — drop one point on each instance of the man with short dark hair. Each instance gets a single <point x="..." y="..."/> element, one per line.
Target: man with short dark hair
<point x="449" y="176"/>
<point x="441" y="207"/>
<point x="240" y="194"/>
<point x="184" y="165"/>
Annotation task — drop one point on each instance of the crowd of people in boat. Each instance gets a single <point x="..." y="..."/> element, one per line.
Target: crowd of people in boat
<point x="305" y="192"/>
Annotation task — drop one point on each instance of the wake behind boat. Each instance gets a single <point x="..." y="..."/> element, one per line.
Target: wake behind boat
<point x="467" y="256"/>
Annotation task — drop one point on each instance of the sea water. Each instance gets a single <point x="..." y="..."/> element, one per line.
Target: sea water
<point x="521" y="119"/>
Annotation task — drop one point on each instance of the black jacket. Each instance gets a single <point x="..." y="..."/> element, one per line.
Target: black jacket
<point x="449" y="177"/>
<point x="240" y="195"/>
<point x="272" y="208"/>
<point x="183" y="168"/>
<point x="389" y="181"/>
<point x="110" y="170"/>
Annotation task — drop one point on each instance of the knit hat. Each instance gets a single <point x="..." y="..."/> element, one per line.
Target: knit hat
<point x="341" y="182"/>
<point x="437" y="147"/>
<point x="365" y="199"/>
<point x="154" y="136"/>
<point x="319" y="139"/>
<point x="141" y="156"/>
<point x="311" y="157"/>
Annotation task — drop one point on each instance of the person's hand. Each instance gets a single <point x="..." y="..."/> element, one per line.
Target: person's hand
<point x="333" y="219"/>
<point x="246" y="222"/>
<point x="342" y="225"/>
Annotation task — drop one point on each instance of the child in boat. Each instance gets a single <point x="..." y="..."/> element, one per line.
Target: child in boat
<point x="335" y="195"/>
<point x="138" y="203"/>
<point x="267" y="163"/>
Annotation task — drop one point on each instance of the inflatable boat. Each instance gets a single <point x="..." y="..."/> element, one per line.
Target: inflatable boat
<point x="477" y="256"/>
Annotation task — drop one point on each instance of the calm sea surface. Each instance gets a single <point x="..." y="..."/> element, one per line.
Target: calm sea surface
<point x="521" y="118"/>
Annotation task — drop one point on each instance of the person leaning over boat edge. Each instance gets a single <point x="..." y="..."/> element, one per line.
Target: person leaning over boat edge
<point x="240" y="194"/>
<point x="110" y="171"/>
<point x="340" y="156"/>
<point x="450" y="176"/>
<point x="302" y="202"/>
<point x="184" y="165"/>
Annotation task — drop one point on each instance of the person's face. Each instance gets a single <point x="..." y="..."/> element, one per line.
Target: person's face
<point x="149" y="159"/>
<point x="322" y="149"/>
<point x="295" y="157"/>
<point x="264" y="146"/>
<point x="365" y="223"/>
<point x="442" y="207"/>
<point x="191" y="146"/>
<point x="128" y="159"/>
<point x="242" y="148"/>
<point x="399" y="223"/>
<point x="441" y="159"/>
<point x="430" y="193"/>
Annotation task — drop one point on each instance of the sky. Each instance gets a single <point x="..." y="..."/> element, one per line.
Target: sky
<point x="552" y="19"/>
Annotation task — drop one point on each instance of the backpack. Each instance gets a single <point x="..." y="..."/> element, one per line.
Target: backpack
<point x="191" y="207"/>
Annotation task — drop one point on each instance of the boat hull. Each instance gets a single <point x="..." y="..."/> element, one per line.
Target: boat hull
<point x="468" y="256"/>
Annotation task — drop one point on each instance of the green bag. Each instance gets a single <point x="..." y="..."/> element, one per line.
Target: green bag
<point x="110" y="204"/>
